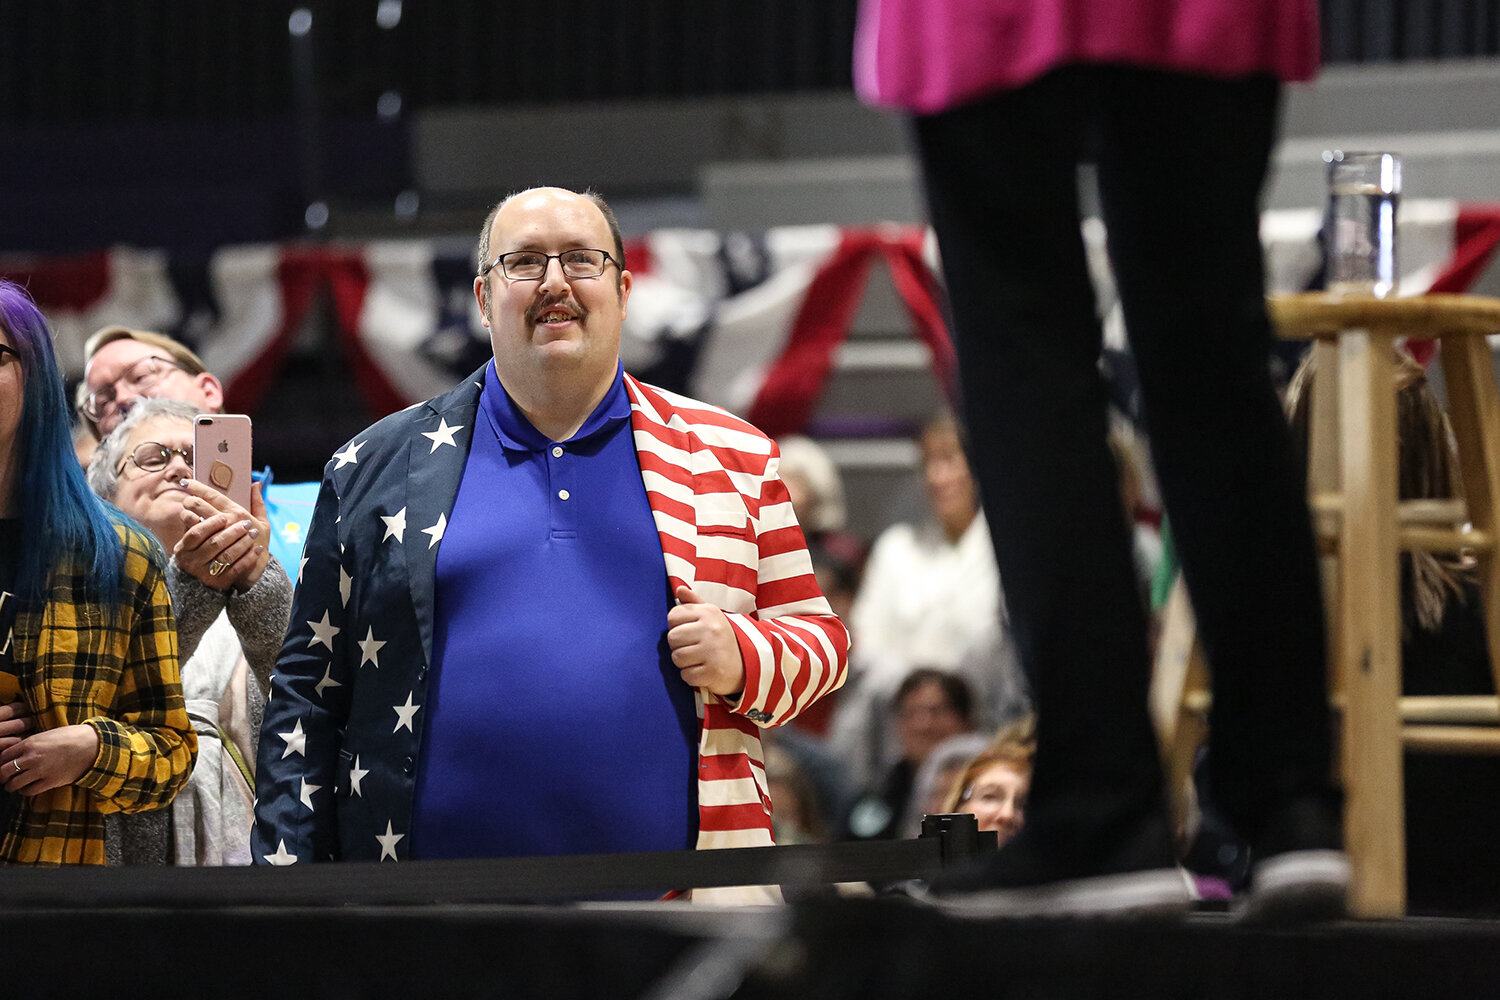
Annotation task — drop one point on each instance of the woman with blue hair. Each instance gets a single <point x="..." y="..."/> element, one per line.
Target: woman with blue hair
<point x="91" y="711"/>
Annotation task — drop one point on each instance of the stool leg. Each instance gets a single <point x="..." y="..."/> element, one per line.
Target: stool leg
<point x="1323" y="474"/>
<point x="1370" y="626"/>
<point x="1474" y="411"/>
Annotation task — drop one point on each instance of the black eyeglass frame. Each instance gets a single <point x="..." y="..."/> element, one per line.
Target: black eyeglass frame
<point x="162" y="450"/>
<point x="609" y="258"/>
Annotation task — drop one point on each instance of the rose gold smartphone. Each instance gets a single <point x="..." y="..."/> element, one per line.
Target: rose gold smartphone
<point x="221" y="454"/>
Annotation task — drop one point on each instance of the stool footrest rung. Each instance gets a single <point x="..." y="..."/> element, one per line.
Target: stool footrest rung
<point x="1432" y="513"/>
<point x="1438" y="540"/>
<point x="1425" y="525"/>
<point x="1444" y="710"/>
<point x="1466" y="709"/>
<point x="1451" y="739"/>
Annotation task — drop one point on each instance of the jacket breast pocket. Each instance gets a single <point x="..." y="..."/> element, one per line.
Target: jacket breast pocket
<point x="722" y="514"/>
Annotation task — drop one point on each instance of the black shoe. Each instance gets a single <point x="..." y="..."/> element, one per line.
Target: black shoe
<point x="1133" y="875"/>
<point x="1299" y="872"/>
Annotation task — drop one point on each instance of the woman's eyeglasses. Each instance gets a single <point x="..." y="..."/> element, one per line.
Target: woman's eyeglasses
<point x="153" y="456"/>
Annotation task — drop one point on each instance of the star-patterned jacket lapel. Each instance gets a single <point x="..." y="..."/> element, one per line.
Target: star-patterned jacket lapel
<point x="438" y="449"/>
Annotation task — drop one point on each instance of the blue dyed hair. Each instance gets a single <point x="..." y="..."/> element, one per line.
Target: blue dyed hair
<point x="61" y="520"/>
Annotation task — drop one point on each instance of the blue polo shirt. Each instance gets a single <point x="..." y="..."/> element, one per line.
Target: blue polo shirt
<point x="557" y="723"/>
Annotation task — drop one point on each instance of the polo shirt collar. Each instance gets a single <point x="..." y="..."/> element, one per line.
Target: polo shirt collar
<point x="515" y="432"/>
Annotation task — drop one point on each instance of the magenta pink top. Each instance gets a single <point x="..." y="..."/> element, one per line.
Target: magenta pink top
<point x="930" y="55"/>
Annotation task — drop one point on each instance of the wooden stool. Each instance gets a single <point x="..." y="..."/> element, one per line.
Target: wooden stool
<point x="1353" y="494"/>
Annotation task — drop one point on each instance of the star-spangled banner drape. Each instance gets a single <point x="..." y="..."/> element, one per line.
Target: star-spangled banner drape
<point x="749" y="321"/>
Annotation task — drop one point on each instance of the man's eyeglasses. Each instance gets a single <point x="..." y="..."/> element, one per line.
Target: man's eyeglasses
<point x="529" y="265"/>
<point x="153" y="456"/>
<point x="139" y="377"/>
<point x="7" y="349"/>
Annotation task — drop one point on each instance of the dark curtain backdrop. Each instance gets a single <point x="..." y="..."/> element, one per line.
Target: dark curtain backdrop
<point x="81" y="60"/>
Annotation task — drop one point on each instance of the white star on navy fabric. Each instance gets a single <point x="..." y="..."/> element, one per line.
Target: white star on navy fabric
<point x="296" y="741"/>
<point x="443" y="435"/>
<point x="436" y="531"/>
<point x="349" y="456"/>
<point x="327" y="681"/>
<point x="356" y="775"/>
<point x="300" y="567"/>
<point x="395" y="524"/>
<point x="369" y="649"/>
<point x="388" y="842"/>
<point x="281" y="857"/>
<point x="346" y="584"/>
<point x="323" y="632"/>
<point x="307" y="792"/>
<point x="405" y="714"/>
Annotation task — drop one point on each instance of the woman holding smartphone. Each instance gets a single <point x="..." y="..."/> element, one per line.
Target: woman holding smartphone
<point x="93" y="720"/>
<point x="232" y="601"/>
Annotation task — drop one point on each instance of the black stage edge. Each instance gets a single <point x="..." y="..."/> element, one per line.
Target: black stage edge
<point x="487" y="880"/>
<point x="821" y="947"/>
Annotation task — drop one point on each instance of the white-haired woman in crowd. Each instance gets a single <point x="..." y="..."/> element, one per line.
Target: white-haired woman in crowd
<point x="232" y="601"/>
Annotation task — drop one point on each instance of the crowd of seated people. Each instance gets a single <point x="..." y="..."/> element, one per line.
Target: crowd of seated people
<point x="929" y="596"/>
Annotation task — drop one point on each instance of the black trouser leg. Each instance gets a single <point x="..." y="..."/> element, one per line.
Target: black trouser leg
<point x="1002" y="194"/>
<point x="1181" y="166"/>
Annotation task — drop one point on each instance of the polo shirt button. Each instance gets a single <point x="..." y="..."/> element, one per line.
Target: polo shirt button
<point x="408" y="765"/>
<point x="562" y="494"/>
<point x="422" y="672"/>
<point x="556" y="451"/>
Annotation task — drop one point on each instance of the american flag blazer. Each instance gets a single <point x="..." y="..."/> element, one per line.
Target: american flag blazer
<point x="335" y="782"/>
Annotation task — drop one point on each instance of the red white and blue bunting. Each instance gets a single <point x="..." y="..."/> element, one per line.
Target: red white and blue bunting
<point x="751" y="321"/>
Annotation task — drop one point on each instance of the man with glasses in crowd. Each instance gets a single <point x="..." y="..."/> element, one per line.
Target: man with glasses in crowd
<point x="123" y="366"/>
<point x="548" y="611"/>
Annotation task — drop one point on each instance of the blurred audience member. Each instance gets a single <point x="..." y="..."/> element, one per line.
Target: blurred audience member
<point x="839" y="577"/>
<point x="930" y="706"/>
<point x="796" y="817"/>
<point x="832" y="788"/>
<point x="930" y="596"/>
<point x="232" y="602"/>
<point x="938" y="776"/>
<point x="91" y="713"/>
<point x="817" y="495"/>
<point x="994" y="785"/>
<point x="815" y="486"/>
<point x="84" y="441"/>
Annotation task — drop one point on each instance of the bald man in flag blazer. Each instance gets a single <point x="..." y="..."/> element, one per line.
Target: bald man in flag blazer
<point x="343" y="729"/>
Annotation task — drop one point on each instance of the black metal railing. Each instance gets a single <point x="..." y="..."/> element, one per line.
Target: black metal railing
<point x="947" y="840"/>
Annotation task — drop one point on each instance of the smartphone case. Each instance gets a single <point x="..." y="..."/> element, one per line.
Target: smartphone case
<point x="221" y="454"/>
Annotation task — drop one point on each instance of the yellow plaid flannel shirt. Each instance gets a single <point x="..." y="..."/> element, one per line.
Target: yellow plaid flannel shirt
<point x="119" y="674"/>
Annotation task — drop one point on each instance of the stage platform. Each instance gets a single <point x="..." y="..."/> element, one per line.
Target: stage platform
<point x="826" y="947"/>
